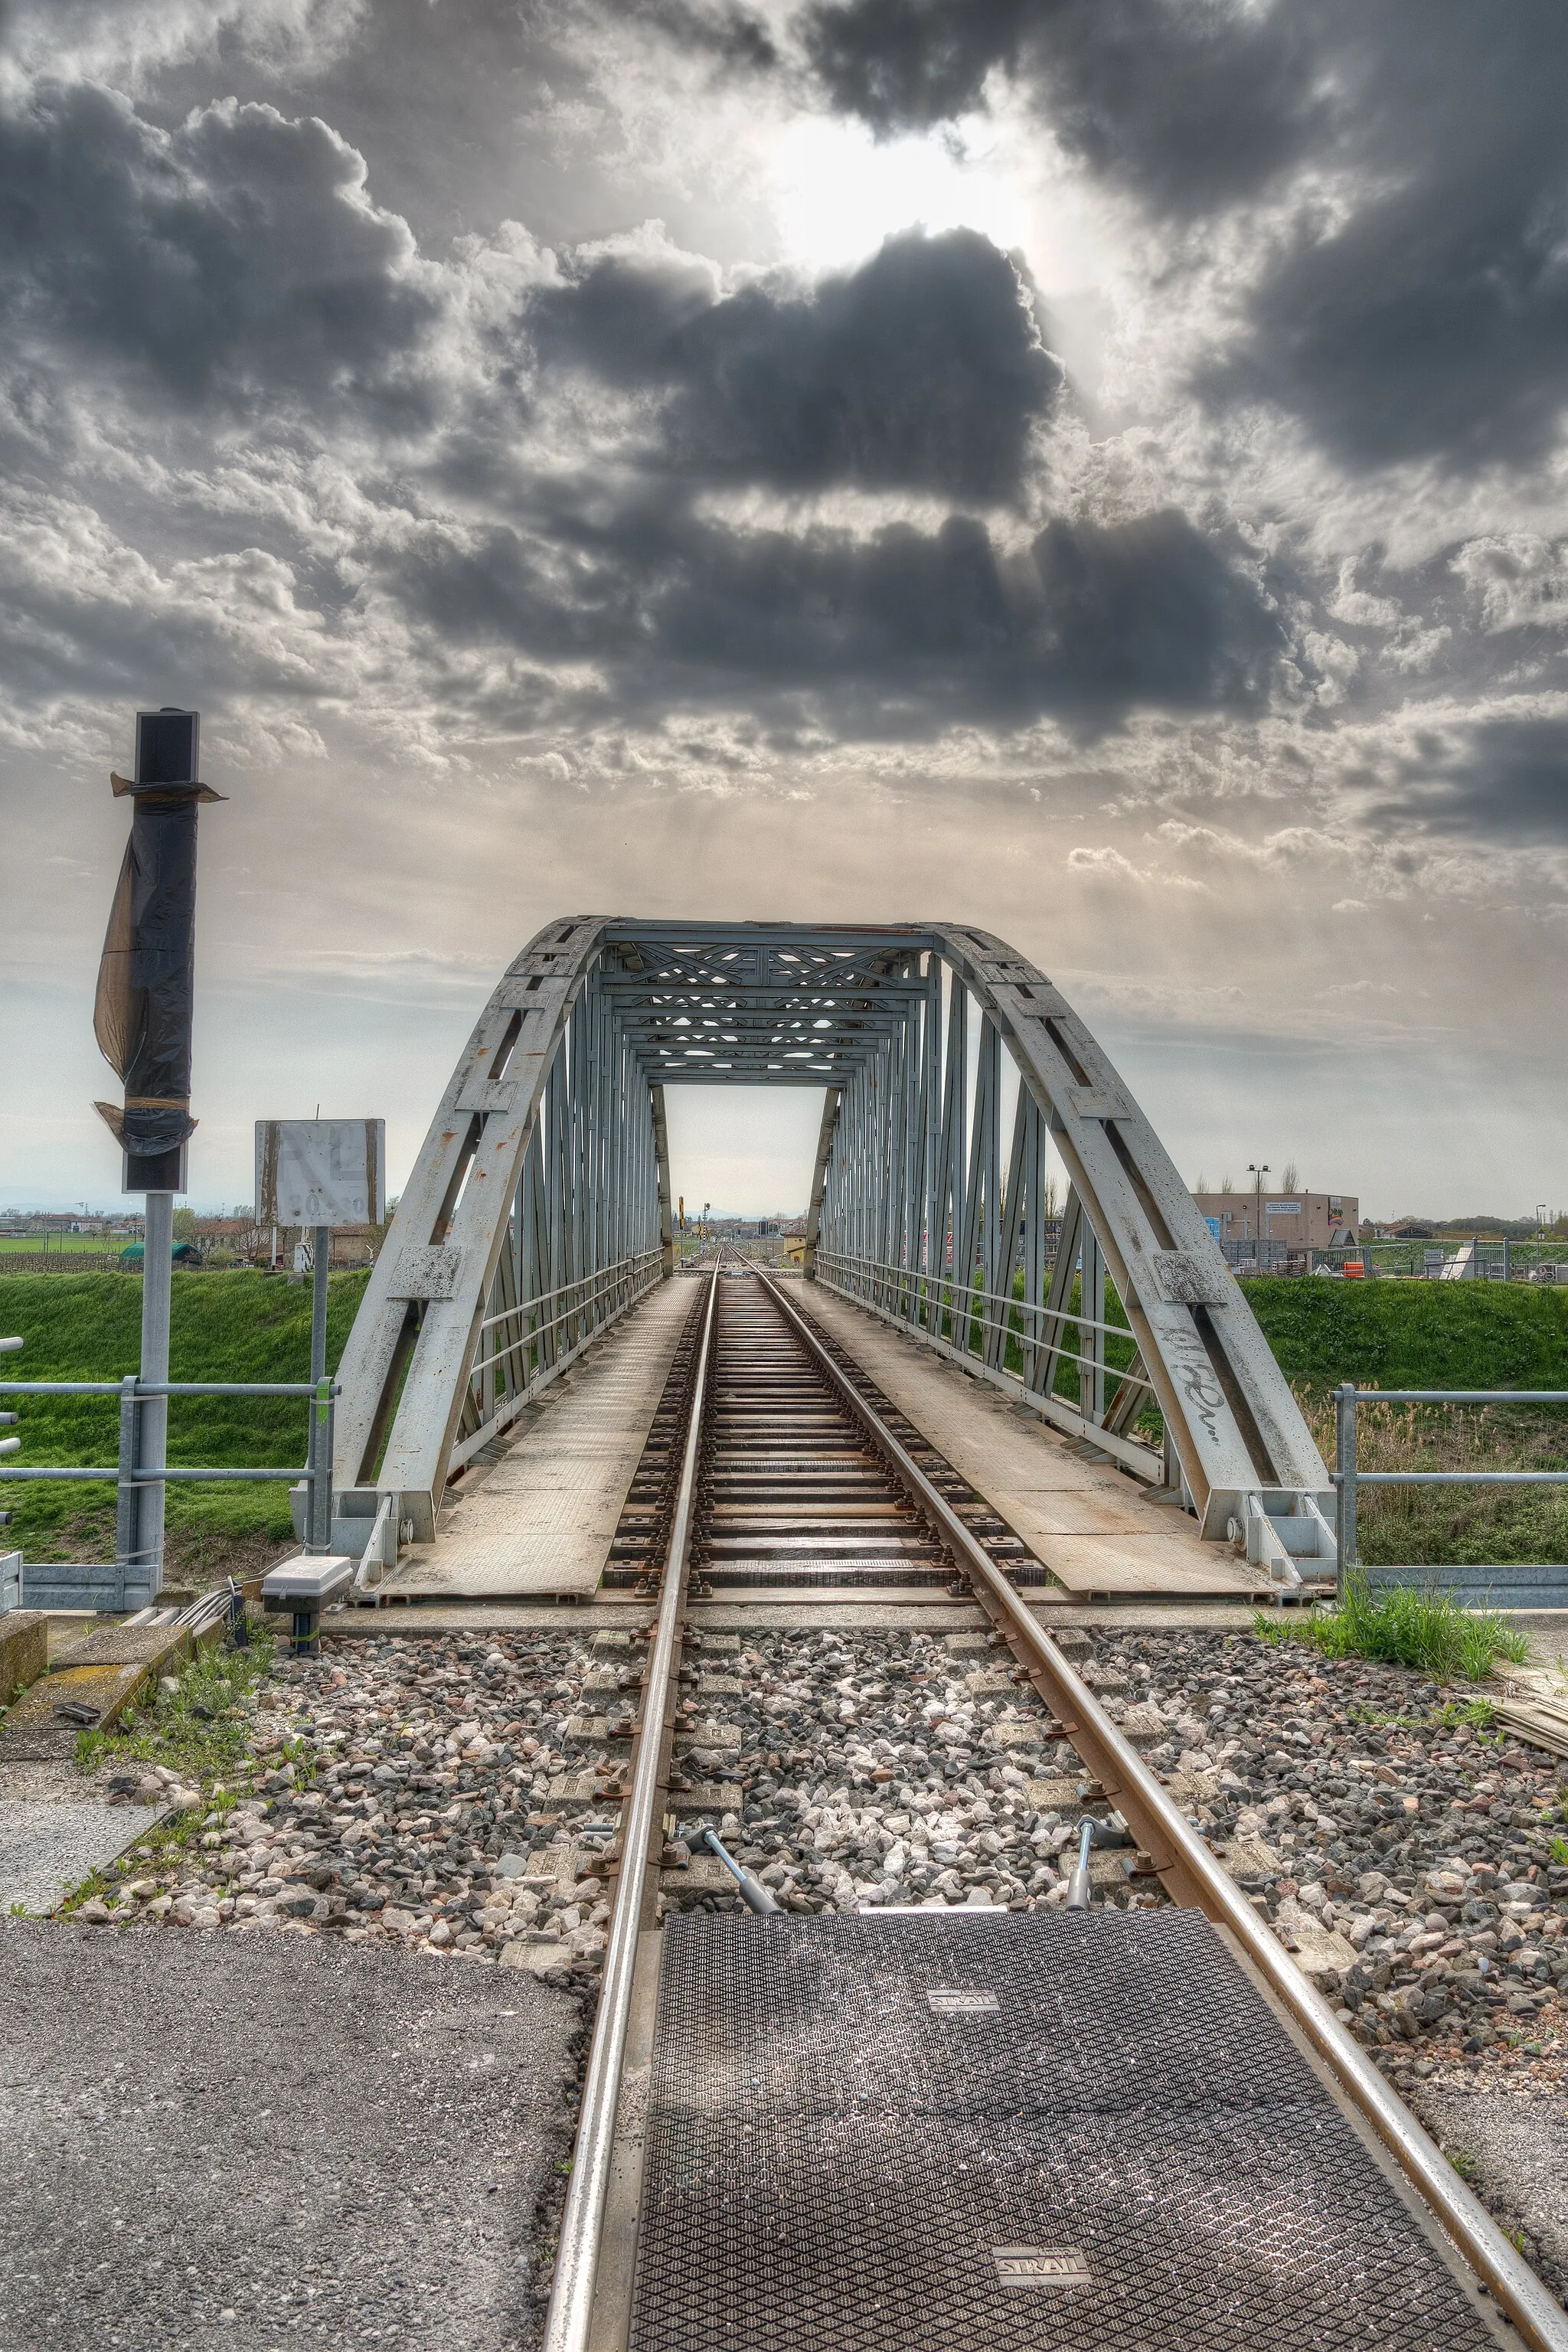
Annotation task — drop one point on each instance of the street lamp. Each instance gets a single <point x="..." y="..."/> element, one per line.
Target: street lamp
<point x="1258" y="1173"/>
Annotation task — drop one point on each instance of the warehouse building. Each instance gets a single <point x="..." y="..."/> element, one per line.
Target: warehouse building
<point x="1297" y="1220"/>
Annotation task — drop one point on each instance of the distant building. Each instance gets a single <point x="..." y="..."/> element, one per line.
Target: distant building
<point x="1299" y="1221"/>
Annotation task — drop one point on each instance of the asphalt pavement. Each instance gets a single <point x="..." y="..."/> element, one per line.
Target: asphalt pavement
<point x="270" y="2141"/>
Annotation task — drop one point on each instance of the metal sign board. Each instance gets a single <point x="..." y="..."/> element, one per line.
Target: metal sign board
<point x="320" y="1172"/>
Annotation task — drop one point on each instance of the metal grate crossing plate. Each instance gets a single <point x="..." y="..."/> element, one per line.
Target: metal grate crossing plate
<point x="1002" y="2135"/>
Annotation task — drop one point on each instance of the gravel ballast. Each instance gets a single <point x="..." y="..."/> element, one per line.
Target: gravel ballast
<point x="440" y="1794"/>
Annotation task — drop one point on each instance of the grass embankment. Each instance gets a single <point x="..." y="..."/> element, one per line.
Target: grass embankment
<point x="249" y="1325"/>
<point x="224" y="1327"/>
<point x="1421" y="1335"/>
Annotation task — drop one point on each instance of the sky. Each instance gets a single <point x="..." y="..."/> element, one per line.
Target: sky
<point x="1093" y="469"/>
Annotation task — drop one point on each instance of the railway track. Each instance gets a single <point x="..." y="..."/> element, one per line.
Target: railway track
<point x="774" y="1471"/>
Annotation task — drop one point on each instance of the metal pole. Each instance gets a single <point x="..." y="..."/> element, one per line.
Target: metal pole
<point x="320" y="1259"/>
<point x="1345" y="1464"/>
<point x="317" y="1539"/>
<point x="320" y="1471"/>
<point x="157" y="1254"/>
<point x="128" y="1565"/>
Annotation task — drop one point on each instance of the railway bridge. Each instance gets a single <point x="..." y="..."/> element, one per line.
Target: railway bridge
<point x="539" y="1213"/>
<point x="1092" y="2101"/>
<point x="802" y="1672"/>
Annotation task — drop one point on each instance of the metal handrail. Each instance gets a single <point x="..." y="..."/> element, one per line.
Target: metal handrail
<point x="581" y="2223"/>
<point x="1348" y="1479"/>
<point x="1457" y="1396"/>
<point x="526" y="1340"/>
<point x="910" y="1274"/>
<point x="128" y="1473"/>
<point x="162" y="1387"/>
<point x="147" y="1474"/>
<point x="1194" y="1877"/>
<point x="528" y="1305"/>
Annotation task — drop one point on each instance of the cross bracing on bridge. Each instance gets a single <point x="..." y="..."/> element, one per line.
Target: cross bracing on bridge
<point x="540" y="1205"/>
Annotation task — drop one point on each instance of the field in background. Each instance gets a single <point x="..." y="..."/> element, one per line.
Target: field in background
<point x="60" y="1245"/>
<point x="254" y="1327"/>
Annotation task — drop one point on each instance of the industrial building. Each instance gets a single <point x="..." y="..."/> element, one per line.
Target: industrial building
<point x="1299" y="1221"/>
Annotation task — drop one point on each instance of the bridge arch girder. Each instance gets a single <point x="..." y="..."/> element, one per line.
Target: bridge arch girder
<point x="539" y="1205"/>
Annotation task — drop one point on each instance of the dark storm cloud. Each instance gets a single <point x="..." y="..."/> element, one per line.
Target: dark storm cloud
<point x="1434" y="322"/>
<point x="922" y="370"/>
<point x="236" y="256"/>
<point x="1505" y="782"/>
<point x="1190" y="101"/>
<point x="734" y="35"/>
<point x="900" y="632"/>
<point x="1423" y="314"/>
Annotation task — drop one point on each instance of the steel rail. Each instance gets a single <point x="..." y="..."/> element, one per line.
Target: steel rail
<point x="1193" y="1876"/>
<point x="581" y="2223"/>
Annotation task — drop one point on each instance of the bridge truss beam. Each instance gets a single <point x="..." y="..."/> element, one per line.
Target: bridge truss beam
<point x="539" y="1208"/>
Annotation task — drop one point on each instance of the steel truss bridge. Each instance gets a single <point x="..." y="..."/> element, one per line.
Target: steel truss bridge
<point x="538" y="1209"/>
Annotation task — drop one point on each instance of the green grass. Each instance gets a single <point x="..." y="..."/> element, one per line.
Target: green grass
<point x="63" y="1244"/>
<point x="1414" y="1335"/>
<point x="1435" y="1335"/>
<point x="224" y="1327"/>
<point x="1463" y="1525"/>
<point x="1478" y="1714"/>
<point x="1405" y="1627"/>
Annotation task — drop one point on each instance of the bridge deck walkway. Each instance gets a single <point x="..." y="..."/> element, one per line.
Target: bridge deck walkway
<point x="541" y="1518"/>
<point x="1090" y="1525"/>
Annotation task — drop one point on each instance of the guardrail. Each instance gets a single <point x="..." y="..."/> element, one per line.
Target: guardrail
<point x="522" y="1349"/>
<point x="1511" y="1585"/>
<point x="135" y="1577"/>
<point x="922" y="1303"/>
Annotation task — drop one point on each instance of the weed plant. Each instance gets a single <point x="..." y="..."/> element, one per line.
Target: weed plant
<point x="202" y="1729"/>
<point x="1405" y="1627"/>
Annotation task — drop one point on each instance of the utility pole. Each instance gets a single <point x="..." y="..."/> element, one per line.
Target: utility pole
<point x="141" y="1018"/>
